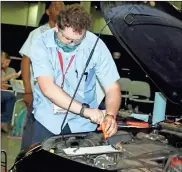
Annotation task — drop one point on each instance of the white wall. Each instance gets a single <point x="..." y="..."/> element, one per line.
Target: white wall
<point x="178" y="4"/>
<point x="32" y="15"/>
<point x="41" y="11"/>
<point x="21" y="13"/>
<point x="98" y="22"/>
<point x="14" y="12"/>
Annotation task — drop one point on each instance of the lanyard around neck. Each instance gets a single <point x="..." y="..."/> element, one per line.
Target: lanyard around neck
<point x="62" y="66"/>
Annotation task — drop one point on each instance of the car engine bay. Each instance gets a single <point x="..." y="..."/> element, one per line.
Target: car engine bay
<point x="132" y="149"/>
<point x="142" y="151"/>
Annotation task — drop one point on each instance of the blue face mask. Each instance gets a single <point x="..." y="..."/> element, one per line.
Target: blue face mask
<point x="66" y="47"/>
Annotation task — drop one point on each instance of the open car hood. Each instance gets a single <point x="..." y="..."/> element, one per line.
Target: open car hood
<point x="151" y="32"/>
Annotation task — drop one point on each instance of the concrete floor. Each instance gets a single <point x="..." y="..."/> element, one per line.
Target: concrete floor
<point x="11" y="146"/>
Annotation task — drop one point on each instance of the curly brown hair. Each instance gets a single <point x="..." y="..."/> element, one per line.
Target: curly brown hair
<point x="74" y="16"/>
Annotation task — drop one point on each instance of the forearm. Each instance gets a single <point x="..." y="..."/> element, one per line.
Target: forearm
<point x="113" y="100"/>
<point x="25" y="68"/>
<point x="61" y="98"/>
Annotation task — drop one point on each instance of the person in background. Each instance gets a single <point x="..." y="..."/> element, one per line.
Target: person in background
<point x="58" y="58"/>
<point x="5" y="61"/>
<point x="8" y="99"/>
<point x="52" y="9"/>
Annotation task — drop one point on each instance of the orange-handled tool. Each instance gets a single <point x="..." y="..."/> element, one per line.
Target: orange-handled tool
<point x="138" y="124"/>
<point x="103" y="126"/>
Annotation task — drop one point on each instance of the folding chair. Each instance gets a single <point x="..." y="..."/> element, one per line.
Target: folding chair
<point x="139" y="91"/>
<point x="17" y="86"/>
<point x="4" y="162"/>
<point x="125" y="85"/>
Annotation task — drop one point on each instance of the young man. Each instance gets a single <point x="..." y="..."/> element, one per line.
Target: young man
<point x="58" y="58"/>
<point x="8" y="99"/>
<point x="5" y="61"/>
<point x="52" y="9"/>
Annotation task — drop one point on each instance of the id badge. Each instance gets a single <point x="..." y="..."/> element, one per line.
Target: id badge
<point x="57" y="110"/>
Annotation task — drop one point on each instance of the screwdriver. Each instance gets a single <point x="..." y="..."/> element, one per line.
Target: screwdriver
<point x="103" y="126"/>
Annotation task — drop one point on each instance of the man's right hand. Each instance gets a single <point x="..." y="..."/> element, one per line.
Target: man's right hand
<point x="28" y="98"/>
<point x="95" y="115"/>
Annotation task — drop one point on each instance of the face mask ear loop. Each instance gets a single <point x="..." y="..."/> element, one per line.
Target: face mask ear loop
<point x="56" y="39"/>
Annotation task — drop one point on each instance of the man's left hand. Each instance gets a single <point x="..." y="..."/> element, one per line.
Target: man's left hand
<point x="111" y="125"/>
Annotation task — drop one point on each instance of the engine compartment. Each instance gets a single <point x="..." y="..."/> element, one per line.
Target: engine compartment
<point x="136" y="147"/>
<point x="137" y="152"/>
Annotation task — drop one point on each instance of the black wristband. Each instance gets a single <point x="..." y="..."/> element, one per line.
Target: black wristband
<point x="84" y="106"/>
<point x="29" y="93"/>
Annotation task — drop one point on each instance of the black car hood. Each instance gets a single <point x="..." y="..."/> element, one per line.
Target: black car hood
<point x="152" y="34"/>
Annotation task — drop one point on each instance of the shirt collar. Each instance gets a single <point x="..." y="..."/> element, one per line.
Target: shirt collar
<point x="51" y="42"/>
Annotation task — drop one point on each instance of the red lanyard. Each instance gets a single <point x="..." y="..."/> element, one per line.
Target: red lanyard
<point x="61" y="64"/>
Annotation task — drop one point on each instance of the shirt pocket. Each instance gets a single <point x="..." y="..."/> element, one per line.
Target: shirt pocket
<point x="90" y="79"/>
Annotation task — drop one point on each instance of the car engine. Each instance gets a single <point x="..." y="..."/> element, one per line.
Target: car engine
<point x="139" y="152"/>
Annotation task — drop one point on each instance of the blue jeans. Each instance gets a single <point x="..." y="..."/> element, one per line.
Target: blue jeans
<point x="8" y="100"/>
<point x="34" y="132"/>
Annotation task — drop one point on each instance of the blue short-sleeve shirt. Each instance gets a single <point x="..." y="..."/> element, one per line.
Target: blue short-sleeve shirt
<point x="45" y="62"/>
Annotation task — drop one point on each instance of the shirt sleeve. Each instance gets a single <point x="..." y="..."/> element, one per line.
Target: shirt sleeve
<point x="40" y="58"/>
<point x="25" y="49"/>
<point x="106" y="69"/>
